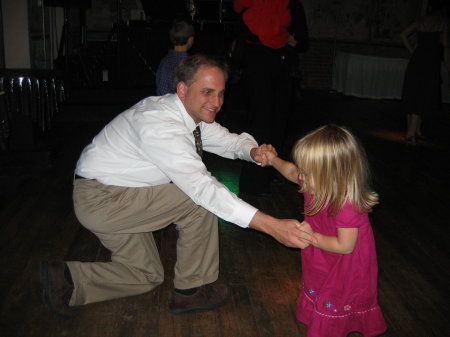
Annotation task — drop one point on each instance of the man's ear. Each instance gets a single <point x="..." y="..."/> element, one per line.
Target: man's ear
<point x="181" y="90"/>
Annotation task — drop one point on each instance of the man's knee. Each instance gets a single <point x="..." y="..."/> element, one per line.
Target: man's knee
<point x="154" y="280"/>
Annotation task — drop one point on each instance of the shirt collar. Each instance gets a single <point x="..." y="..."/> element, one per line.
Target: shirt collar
<point x="190" y="124"/>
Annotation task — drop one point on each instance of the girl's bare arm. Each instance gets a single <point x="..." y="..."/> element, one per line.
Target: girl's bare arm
<point x="343" y="243"/>
<point x="286" y="168"/>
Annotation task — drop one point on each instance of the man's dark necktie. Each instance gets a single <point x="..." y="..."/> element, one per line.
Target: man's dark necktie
<point x="198" y="141"/>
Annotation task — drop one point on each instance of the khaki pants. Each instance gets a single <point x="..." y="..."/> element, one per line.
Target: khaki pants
<point x="124" y="218"/>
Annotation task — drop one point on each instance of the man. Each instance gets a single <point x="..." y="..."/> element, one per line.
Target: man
<point x="144" y="171"/>
<point x="182" y="37"/>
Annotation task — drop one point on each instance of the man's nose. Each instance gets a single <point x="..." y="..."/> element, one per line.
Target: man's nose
<point x="217" y="100"/>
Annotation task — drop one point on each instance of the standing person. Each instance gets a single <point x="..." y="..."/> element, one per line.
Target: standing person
<point x="266" y="37"/>
<point x="181" y="35"/>
<point x="299" y="31"/>
<point x="421" y="88"/>
<point x="144" y="171"/>
<point x="339" y="272"/>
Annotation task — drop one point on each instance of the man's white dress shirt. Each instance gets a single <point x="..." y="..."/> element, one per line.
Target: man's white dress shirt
<point x="152" y="144"/>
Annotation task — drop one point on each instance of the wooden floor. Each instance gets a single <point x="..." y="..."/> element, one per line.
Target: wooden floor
<point x="411" y="225"/>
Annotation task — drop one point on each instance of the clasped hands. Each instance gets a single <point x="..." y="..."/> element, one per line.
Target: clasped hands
<point x="264" y="154"/>
<point x="260" y="153"/>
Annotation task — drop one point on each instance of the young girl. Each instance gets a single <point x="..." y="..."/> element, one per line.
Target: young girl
<point x="339" y="287"/>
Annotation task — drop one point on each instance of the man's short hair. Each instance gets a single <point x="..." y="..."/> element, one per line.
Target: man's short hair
<point x="189" y="66"/>
<point x="180" y="32"/>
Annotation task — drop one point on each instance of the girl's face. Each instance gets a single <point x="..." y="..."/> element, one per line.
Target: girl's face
<point x="301" y="178"/>
<point x="305" y="179"/>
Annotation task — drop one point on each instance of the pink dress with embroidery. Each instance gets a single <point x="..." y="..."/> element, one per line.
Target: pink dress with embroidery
<point x="339" y="292"/>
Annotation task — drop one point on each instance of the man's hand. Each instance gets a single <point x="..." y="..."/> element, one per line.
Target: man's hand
<point x="257" y="153"/>
<point x="290" y="233"/>
<point x="292" y="41"/>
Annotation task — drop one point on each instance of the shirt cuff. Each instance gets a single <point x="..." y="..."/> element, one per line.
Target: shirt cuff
<point x="244" y="214"/>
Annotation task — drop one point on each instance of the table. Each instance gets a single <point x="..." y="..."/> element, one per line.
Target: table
<point x="376" y="77"/>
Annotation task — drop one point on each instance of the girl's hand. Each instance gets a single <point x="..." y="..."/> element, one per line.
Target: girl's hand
<point x="268" y="156"/>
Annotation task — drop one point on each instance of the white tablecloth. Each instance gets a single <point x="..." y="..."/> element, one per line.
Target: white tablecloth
<point x="374" y="77"/>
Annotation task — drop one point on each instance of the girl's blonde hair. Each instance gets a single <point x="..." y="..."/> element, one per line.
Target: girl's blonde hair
<point x="333" y="160"/>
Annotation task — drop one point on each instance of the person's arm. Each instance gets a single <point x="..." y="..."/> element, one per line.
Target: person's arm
<point x="298" y="27"/>
<point x="343" y="243"/>
<point x="289" y="232"/>
<point x="218" y="140"/>
<point x="286" y="168"/>
<point x="404" y="35"/>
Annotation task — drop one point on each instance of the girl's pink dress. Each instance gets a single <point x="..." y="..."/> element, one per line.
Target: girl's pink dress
<point x="339" y="292"/>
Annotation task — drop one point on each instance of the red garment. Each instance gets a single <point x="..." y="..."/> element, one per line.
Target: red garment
<point x="267" y="19"/>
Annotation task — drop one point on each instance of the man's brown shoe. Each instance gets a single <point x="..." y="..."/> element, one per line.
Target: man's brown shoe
<point x="208" y="296"/>
<point x="56" y="289"/>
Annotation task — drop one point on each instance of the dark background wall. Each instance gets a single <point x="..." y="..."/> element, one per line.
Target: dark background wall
<point x="359" y="26"/>
<point x="360" y="20"/>
<point x="369" y="27"/>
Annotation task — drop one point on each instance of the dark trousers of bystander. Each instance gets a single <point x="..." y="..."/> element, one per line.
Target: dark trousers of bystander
<point x="269" y="88"/>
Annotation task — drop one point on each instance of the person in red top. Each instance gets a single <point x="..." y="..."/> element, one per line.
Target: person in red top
<point x="267" y="19"/>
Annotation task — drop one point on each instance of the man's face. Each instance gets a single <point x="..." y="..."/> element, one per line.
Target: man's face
<point x="204" y="97"/>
